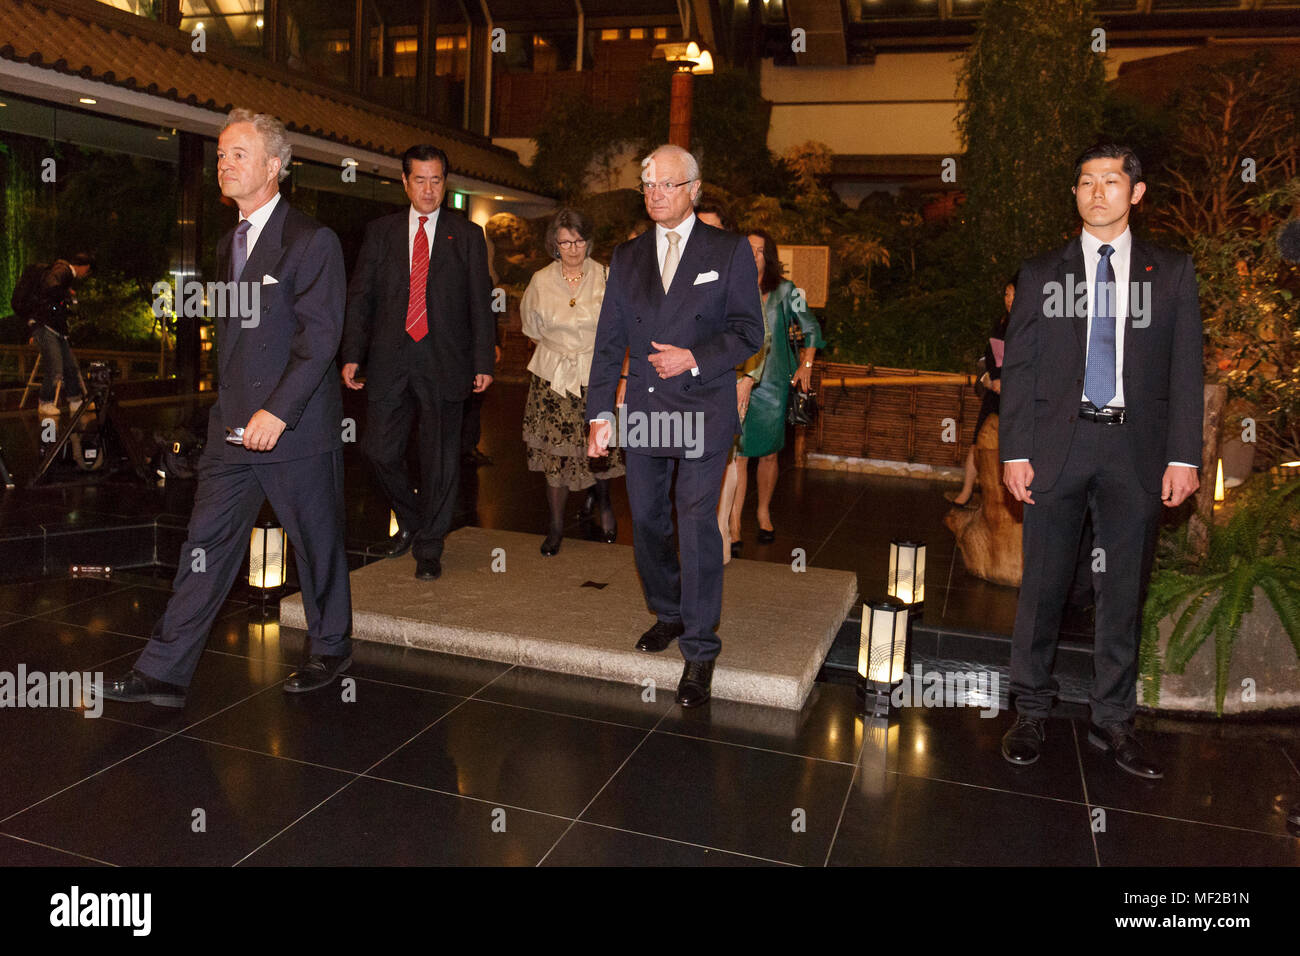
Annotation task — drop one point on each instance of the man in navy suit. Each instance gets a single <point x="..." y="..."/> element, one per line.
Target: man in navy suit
<point x="1101" y="414"/>
<point x="682" y="299"/>
<point x="419" y="318"/>
<point x="275" y="431"/>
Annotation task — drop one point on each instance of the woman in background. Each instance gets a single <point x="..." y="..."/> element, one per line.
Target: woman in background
<point x="559" y="312"/>
<point x="992" y="401"/>
<point x="763" y="432"/>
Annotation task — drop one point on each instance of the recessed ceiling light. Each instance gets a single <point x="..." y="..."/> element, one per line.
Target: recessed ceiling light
<point x="498" y="197"/>
<point x="88" y="100"/>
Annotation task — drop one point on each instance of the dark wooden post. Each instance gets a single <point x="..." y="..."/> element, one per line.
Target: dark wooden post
<point x="1198" y="525"/>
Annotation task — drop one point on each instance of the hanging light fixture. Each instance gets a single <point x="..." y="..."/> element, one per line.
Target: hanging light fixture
<point x="907" y="571"/>
<point x="882" y="652"/>
<point x="266" y="556"/>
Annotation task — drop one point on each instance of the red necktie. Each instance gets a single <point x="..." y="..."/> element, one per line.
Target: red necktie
<point x="417" y="311"/>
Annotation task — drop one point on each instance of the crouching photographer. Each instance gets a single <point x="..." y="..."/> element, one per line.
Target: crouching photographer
<point x="45" y="298"/>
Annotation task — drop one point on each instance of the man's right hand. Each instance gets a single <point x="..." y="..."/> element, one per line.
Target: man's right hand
<point x="1017" y="475"/>
<point x="598" y="435"/>
<point x="350" y="376"/>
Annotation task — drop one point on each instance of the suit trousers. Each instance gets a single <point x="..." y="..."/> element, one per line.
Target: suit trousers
<point x="1099" y="478"/>
<point x="688" y="590"/>
<point x="427" y="514"/>
<point x="307" y="495"/>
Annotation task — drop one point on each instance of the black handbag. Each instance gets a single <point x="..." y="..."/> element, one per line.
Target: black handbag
<point x="802" y="407"/>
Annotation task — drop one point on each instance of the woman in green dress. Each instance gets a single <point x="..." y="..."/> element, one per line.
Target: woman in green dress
<point x="763" y="432"/>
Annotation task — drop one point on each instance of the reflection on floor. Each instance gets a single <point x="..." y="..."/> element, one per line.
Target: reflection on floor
<point x="442" y="759"/>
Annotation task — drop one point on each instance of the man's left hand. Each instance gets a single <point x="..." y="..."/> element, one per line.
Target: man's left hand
<point x="481" y="382"/>
<point x="1178" y="484"/>
<point x="670" y="360"/>
<point x="262" y="431"/>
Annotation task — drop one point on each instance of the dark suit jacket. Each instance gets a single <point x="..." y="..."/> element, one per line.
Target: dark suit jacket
<point x="1043" y="368"/>
<point x="285" y="362"/>
<point x="462" y="326"/>
<point x="720" y="321"/>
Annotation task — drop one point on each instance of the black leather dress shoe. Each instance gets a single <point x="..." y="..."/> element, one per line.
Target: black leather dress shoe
<point x="1023" y="742"/>
<point x="696" y="683"/>
<point x="397" y="545"/>
<point x="428" y="569"/>
<point x="766" y="536"/>
<point x="318" y="671"/>
<point x="1120" y="741"/>
<point x="660" y="636"/>
<point x="136" y="688"/>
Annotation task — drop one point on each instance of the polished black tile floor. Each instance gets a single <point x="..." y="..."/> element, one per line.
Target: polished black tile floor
<point x="428" y="759"/>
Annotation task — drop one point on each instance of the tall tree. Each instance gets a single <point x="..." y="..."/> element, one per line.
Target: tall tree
<point x="1033" y="80"/>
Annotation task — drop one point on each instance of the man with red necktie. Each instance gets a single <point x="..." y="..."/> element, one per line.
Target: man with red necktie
<point x="419" y="319"/>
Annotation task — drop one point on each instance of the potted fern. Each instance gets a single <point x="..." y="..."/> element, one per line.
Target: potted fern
<point x="1214" y="601"/>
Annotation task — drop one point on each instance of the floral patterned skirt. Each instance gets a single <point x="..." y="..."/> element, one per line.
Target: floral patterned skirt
<point x="555" y="431"/>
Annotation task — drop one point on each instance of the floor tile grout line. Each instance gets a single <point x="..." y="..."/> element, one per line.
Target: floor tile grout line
<point x="466" y="796"/>
<point x="766" y="750"/>
<point x="77" y="783"/>
<point x="168" y="736"/>
<point x="702" y="846"/>
<point x="293" y="823"/>
<point x="1200" y="823"/>
<point x="30" y="617"/>
<point x="358" y="776"/>
<point x="596" y="796"/>
<point x="980" y="786"/>
<point x="262" y="753"/>
<point x="836" y="527"/>
<point x="1087" y="801"/>
<point x="857" y="768"/>
<point x="57" y="849"/>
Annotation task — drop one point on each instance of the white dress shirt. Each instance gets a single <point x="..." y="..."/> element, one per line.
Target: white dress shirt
<point x="430" y="230"/>
<point x="256" y="220"/>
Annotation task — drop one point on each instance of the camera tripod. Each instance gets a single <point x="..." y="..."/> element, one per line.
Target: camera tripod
<point x="97" y="394"/>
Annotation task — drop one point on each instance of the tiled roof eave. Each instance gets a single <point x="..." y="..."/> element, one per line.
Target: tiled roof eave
<point x="79" y="20"/>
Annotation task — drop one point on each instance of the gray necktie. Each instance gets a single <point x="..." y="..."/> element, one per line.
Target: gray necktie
<point x="239" y="252"/>
<point x="671" y="259"/>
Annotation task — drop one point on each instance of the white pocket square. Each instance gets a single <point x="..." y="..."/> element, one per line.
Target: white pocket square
<point x="269" y="279"/>
<point x="704" y="277"/>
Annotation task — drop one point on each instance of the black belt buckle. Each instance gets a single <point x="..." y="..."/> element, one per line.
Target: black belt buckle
<point x="1105" y="416"/>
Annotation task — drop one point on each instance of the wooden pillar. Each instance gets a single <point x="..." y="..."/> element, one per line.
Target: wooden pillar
<point x="1198" y="525"/>
<point x="679" y="109"/>
<point x="273" y="31"/>
<point x="360" y="48"/>
<point x="424" y="63"/>
<point x="169" y="13"/>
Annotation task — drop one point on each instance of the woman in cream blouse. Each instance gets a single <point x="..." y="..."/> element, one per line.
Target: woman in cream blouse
<point x="559" y="312"/>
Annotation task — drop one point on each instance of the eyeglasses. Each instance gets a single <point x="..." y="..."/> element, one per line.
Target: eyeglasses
<point x="570" y="243"/>
<point x="666" y="188"/>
